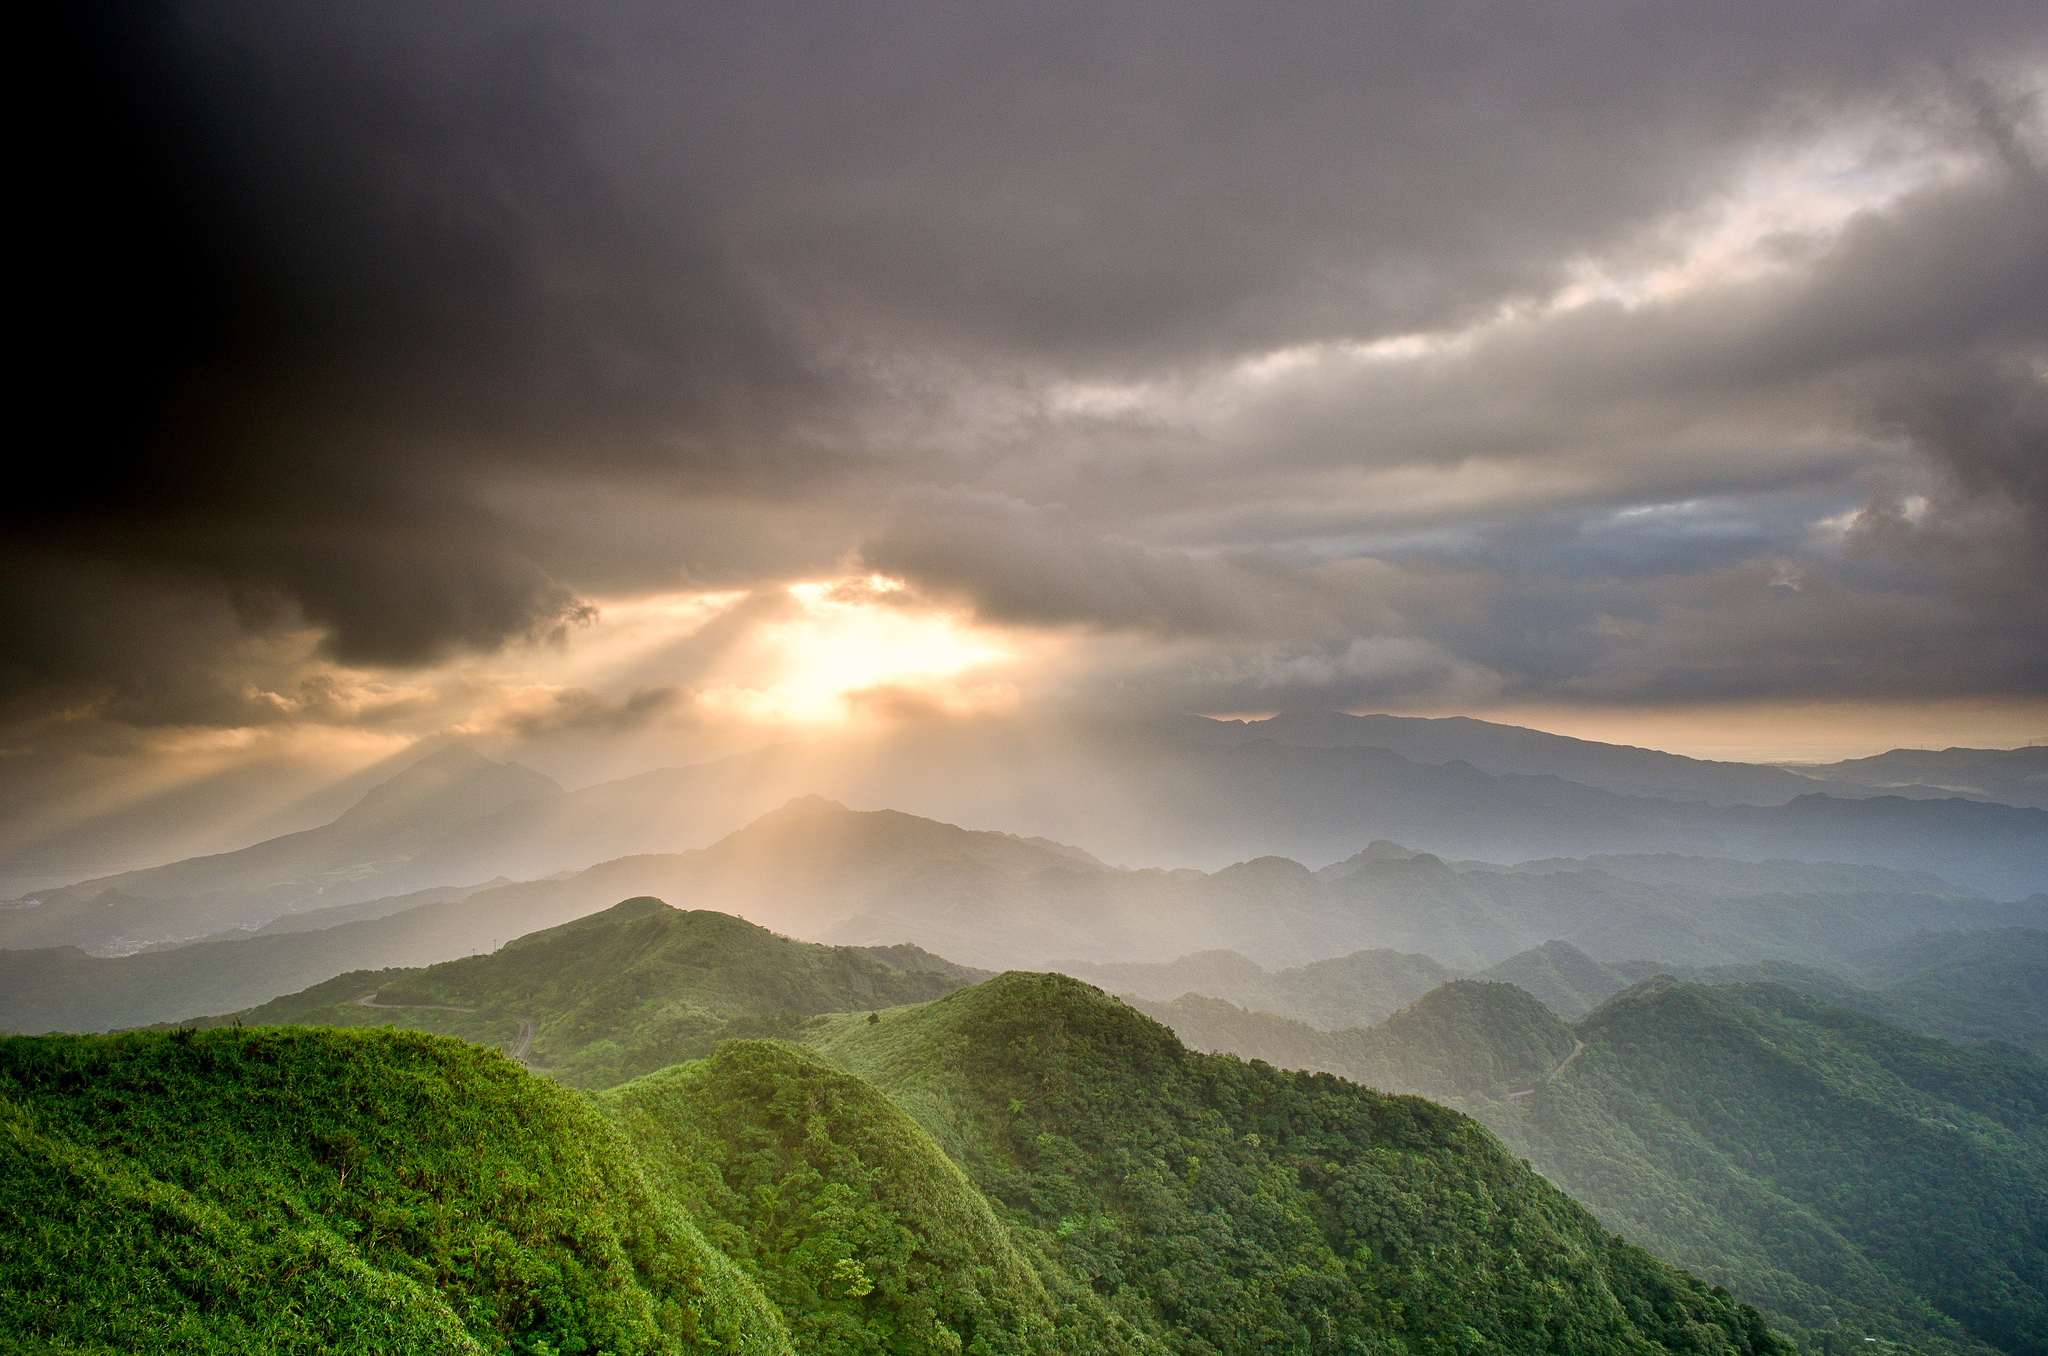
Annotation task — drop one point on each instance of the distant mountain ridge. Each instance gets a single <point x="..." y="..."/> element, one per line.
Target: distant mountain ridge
<point x="817" y="870"/>
<point x="2012" y="777"/>
<point x="1200" y="793"/>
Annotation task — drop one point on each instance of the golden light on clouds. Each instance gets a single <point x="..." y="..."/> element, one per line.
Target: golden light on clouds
<point x="843" y="640"/>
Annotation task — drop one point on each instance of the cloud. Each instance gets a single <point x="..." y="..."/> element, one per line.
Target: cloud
<point x="1351" y="353"/>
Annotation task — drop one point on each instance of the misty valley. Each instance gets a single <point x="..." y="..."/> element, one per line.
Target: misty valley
<point x="487" y="1065"/>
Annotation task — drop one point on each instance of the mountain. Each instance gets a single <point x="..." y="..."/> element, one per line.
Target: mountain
<point x="1230" y="1207"/>
<point x="1091" y="1186"/>
<point x="353" y="858"/>
<point x="1812" y="1158"/>
<point x="310" y="1190"/>
<point x="1354" y="990"/>
<point x="1839" y="1171"/>
<point x="878" y="878"/>
<point x="1971" y="988"/>
<point x="1967" y="986"/>
<point x="1561" y="977"/>
<point x="1195" y="795"/>
<point x="871" y="1239"/>
<point x="624" y="992"/>
<point x="1463" y="1039"/>
<point x="1497" y="749"/>
<point x="2011" y="776"/>
<point x="1729" y="876"/>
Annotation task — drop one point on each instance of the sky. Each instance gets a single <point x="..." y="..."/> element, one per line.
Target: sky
<point x="614" y="385"/>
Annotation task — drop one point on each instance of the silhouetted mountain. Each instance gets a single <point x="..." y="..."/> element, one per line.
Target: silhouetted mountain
<point x="1728" y="876"/>
<point x="1355" y="990"/>
<point x="353" y="858"/>
<point x="876" y="878"/>
<point x="1497" y="749"/>
<point x="2011" y="776"/>
<point x="1144" y="793"/>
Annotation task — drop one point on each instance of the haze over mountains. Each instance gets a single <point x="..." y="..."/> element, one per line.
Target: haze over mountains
<point x="1200" y="793"/>
<point x="1643" y="1023"/>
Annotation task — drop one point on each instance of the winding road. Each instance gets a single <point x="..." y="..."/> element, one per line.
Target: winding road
<point x="1551" y="1077"/>
<point x="520" y="1046"/>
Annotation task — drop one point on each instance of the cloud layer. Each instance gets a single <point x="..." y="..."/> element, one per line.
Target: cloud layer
<point x="1247" y="358"/>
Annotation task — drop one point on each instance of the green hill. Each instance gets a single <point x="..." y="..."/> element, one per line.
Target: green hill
<point x="1825" y="1164"/>
<point x="626" y="991"/>
<point x="853" y="1222"/>
<point x="1968" y="986"/>
<point x="1228" y="1207"/>
<point x="260" y="1189"/>
<point x="1564" y="979"/>
<point x="344" y="1191"/>
<point x="1849" y="1176"/>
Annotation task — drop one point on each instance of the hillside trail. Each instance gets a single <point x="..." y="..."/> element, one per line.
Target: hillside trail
<point x="520" y="1046"/>
<point x="1551" y="1077"/>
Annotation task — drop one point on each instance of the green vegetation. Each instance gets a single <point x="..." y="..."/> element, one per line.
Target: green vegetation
<point x="1563" y="978"/>
<point x="627" y="991"/>
<point x="1220" y="1206"/>
<point x="1848" y="1176"/>
<point x="345" y="1191"/>
<point x="260" y="1189"/>
<point x="1835" y="1169"/>
<point x="863" y="1233"/>
<point x="1968" y="986"/>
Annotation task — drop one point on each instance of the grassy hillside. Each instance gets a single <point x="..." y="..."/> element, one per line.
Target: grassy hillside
<point x="1227" y="1207"/>
<point x="345" y="1191"/>
<point x="627" y="991"/>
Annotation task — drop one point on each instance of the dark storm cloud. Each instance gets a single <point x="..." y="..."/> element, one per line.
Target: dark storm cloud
<point x="417" y="326"/>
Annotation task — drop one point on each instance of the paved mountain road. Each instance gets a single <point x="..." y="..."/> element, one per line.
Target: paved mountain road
<point x="1551" y="1077"/>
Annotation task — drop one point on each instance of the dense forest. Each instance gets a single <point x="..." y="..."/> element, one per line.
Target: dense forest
<point x="1027" y="1165"/>
<point x="1842" y="1173"/>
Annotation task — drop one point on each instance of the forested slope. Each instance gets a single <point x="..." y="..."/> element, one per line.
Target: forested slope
<point x="344" y="1191"/>
<point x="1850" y="1176"/>
<point x="1228" y="1207"/>
<point x="261" y="1189"/>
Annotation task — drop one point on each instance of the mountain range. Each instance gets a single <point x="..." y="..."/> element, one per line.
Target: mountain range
<point x="815" y="869"/>
<point x="1201" y="793"/>
<point x="1825" y="1165"/>
<point x="1706" y="1119"/>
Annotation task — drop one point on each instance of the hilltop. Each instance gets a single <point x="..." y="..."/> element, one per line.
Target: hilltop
<point x="624" y="992"/>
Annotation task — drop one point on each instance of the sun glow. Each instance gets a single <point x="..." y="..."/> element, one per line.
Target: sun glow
<point x="845" y="646"/>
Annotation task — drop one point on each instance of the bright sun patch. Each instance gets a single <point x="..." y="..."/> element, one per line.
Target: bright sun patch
<point x="845" y="641"/>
